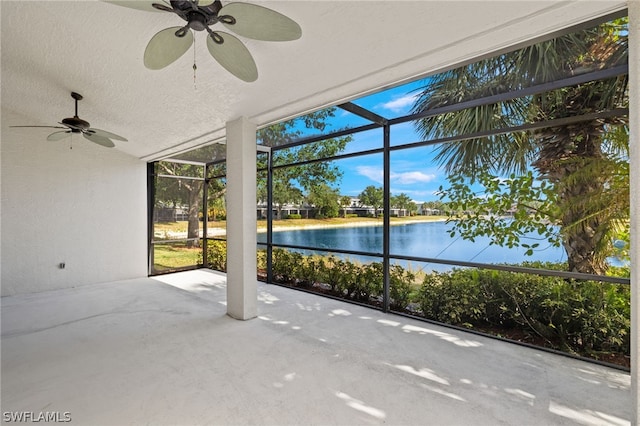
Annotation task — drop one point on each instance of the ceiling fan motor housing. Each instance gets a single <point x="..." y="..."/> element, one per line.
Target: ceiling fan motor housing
<point x="76" y="124"/>
<point x="197" y="20"/>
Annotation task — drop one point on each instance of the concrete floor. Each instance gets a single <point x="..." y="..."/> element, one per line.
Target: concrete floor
<point x="145" y="352"/>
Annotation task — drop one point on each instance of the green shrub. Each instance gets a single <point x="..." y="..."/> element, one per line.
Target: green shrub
<point x="401" y="286"/>
<point x="332" y="274"/>
<point x="589" y="316"/>
<point x="580" y="317"/>
<point x="452" y="298"/>
<point x="351" y="285"/>
<point x="286" y="265"/>
<point x="216" y="255"/>
<point x="311" y="270"/>
<point x="294" y="216"/>
<point x="352" y="280"/>
<point x="365" y="281"/>
<point x="262" y="260"/>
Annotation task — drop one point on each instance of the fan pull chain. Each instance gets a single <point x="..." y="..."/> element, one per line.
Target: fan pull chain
<point x="195" y="67"/>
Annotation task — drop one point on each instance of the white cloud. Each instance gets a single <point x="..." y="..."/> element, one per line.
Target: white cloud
<point x="400" y="104"/>
<point x="417" y="196"/>
<point x="407" y="178"/>
<point x="373" y="173"/>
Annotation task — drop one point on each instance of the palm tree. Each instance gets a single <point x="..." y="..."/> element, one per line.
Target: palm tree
<point x="345" y="202"/>
<point x="582" y="161"/>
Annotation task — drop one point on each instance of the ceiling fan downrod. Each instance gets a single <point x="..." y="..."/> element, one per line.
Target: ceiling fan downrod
<point x="76" y="124"/>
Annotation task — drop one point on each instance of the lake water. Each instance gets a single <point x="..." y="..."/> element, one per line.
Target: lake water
<point x="422" y="239"/>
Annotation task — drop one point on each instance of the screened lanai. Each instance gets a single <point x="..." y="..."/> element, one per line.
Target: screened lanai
<point x="504" y="237"/>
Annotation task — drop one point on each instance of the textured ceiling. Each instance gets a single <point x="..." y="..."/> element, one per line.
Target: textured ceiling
<point x="348" y="48"/>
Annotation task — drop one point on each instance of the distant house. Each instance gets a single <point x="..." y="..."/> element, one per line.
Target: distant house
<point x="429" y="211"/>
<point x="308" y="211"/>
<point x="165" y="213"/>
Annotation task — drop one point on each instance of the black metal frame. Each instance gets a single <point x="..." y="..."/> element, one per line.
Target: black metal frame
<point x="387" y="149"/>
<point x="386" y="125"/>
<point x="152" y="175"/>
<point x="151" y="196"/>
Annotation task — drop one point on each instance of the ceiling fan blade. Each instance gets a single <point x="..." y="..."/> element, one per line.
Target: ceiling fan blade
<point x="46" y="127"/>
<point x="234" y="56"/>
<point x="145" y="5"/>
<point x="100" y="140"/>
<point x="164" y="48"/>
<point x="206" y="2"/>
<point x="56" y="136"/>
<point x="105" y="134"/>
<point x="260" y="23"/>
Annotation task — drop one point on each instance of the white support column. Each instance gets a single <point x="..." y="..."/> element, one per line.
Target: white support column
<point x="634" y="159"/>
<point x="242" y="284"/>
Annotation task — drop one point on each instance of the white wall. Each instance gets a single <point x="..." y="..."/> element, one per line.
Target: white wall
<point x="84" y="206"/>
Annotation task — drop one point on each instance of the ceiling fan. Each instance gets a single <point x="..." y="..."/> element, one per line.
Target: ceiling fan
<point x="246" y="20"/>
<point x="77" y="125"/>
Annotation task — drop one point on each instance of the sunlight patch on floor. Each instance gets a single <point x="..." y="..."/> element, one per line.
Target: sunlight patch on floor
<point x="425" y="373"/>
<point x="287" y="378"/>
<point x="361" y="406"/>
<point x="443" y="392"/>
<point x="267" y="298"/>
<point x="521" y="395"/>
<point x="586" y="417"/>
<point x="340" y="312"/>
<point x="388" y="322"/>
<point x="444" y="336"/>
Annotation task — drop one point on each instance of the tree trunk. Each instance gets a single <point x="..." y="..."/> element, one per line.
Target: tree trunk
<point x="582" y="229"/>
<point x="571" y="157"/>
<point x="565" y="154"/>
<point x="193" y="227"/>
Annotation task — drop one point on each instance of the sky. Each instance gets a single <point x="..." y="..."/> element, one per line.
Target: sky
<point x="413" y="171"/>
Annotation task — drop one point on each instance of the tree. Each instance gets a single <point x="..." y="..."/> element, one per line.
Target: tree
<point x="284" y="193"/>
<point x="580" y="163"/>
<point x="182" y="190"/>
<point x="413" y="208"/>
<point x="434" y="206"/>
<point x="373" y="197"/>
<point x="290" y="182"/>
<point x="324" y="199"/>
<point x="403" y="201"/>
<point x="186" y="191"/>
<point x="345" y="201"/>
<point x="217" y="206"/>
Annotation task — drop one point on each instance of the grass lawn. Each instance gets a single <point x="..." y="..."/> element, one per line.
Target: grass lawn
<point x="176" y="255"/>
